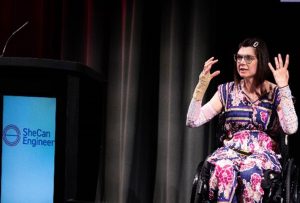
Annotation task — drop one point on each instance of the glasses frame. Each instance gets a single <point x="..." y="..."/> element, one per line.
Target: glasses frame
<point x="247" y="58"/>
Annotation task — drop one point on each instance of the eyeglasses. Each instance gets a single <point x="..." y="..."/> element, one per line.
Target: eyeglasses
<point x="248" y="58"/>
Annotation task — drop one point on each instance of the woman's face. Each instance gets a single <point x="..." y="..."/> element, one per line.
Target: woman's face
<point x="246" y="62"/>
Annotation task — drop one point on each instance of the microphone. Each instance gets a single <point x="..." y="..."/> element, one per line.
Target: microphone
<point x="12" y="36"/>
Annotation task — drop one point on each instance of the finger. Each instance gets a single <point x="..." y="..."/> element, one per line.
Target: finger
<point x="271" y="67"/>
<point x="280" y="61"/>
<point x="287" y="61"/>
<point x="210" y="59"/>
<point x="276" y="62"/>
<point x="210" y="62"/>
<point x="207" y="61"/>
<point x="208" y="65"/>
<point x="214" y="74"/>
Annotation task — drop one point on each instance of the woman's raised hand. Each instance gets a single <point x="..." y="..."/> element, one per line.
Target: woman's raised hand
<point x="280" y="71"/>
<point x="204" y="79"/>
<point x="207" y="67"/>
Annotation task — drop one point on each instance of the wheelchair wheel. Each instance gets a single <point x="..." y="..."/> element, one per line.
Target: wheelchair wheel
<point x="200" y="183"/>
<point x="291" y="181"/>
<point x="195" y="182"/>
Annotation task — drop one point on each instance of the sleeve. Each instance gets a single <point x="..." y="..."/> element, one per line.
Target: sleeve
<point x="198" y="115"/>
<point x="286" y="110"/>
<point x="222" y="93"/>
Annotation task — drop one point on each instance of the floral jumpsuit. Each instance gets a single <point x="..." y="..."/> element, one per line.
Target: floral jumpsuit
<point x="249" y="147"/>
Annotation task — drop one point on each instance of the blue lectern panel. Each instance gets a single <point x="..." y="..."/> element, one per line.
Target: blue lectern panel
<point x="28" y="149"/>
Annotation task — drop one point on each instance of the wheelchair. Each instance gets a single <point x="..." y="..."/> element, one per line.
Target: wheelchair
<point x="278" y="187"/>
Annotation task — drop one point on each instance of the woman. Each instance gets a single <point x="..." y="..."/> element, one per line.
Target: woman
<point x="255" y="111"/>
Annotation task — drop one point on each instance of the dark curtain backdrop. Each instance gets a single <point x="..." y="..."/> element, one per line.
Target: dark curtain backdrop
<point x="150" y="54"/>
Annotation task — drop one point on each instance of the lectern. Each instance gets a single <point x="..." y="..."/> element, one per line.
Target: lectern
<point x="52" y="125"/>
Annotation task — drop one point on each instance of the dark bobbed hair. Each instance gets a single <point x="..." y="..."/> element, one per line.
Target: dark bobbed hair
<point x="262" y="55"/>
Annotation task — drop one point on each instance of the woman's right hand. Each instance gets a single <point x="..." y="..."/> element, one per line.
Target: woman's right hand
<point x="207" y="67"/>
<point x="204" y="79"/>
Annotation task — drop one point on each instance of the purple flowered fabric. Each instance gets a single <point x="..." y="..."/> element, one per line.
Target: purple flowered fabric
<point x="249" y="147"/>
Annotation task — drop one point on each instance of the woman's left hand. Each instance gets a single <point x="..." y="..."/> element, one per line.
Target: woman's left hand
<point x="280" y="72"/>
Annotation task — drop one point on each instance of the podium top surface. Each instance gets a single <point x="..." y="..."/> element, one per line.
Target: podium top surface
<point x="26" y="63"/>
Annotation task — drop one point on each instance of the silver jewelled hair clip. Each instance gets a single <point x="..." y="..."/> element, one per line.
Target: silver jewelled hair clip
<point x="255" y="44"/>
